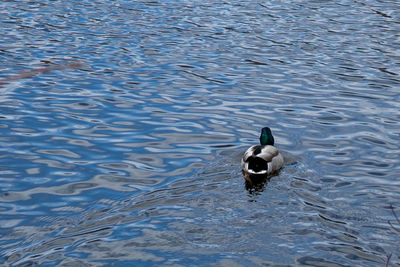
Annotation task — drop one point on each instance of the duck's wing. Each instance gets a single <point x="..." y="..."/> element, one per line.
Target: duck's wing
<point x="271" y="155"/>
<point x="276" y="163"/>
<point x="249" y="152"/>
<point x="267" y="153"/>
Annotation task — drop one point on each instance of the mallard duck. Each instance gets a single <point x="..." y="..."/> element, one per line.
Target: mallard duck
<point x="262" y="160"/>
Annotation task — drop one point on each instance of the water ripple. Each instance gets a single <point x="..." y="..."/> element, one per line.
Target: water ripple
<point x="123" y="124"/>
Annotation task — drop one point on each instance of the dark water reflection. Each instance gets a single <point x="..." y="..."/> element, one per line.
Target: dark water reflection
<point x="133" y="158"/>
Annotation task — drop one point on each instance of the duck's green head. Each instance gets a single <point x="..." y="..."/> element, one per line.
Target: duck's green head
<point x="266" y="137"/>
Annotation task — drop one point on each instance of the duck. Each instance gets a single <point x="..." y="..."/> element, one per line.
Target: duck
<point x="261" y="161"/>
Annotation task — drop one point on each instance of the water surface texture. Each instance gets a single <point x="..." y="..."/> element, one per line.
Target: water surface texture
<point x="133" y="157"/>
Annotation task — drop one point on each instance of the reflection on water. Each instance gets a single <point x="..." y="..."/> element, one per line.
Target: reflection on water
<point x="134" y="157"/>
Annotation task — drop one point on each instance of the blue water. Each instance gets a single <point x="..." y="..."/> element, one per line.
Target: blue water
<point x="133" y="157"/>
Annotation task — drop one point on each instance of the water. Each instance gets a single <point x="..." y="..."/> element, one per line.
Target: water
<point x="133" y="158"/>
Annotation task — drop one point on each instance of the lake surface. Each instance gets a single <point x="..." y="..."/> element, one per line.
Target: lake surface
<point x="133" y="158"/>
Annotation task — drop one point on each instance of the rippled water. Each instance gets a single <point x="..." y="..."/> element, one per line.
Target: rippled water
<point x="133" y="158"/>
